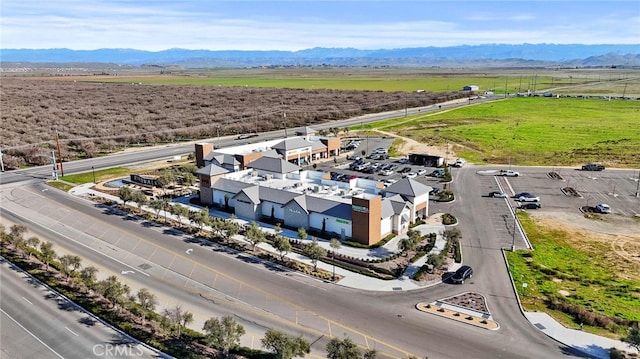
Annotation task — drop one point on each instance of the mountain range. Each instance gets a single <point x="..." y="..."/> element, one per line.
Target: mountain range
<point x="466" y="55"/>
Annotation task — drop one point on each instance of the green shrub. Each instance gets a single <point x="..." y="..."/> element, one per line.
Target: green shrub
<point x="449" y="219"/>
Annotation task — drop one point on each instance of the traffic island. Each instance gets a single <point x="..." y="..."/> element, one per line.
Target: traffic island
<point x="468" y="308"/>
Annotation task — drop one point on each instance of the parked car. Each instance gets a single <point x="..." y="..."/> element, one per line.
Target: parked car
<point x="530" y="205"/>
<point x="421" y="172"/>
<point x="434" y="190"/>
<point x="497" y="194"/>
<point x="509" y="173"/>
<point x="463" y="273"/>
<point x="603" y="208"/>
<point x="527" y="197"/>
<point x="405" y="170"/>
<point x="410" y="175"/>
<point x="437" y="173"/>
<point x="592" y="167"/>
<point x="386" y="172"/>
<point x="403" y="161"/>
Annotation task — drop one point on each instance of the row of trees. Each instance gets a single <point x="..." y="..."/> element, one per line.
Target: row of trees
<point x="223" y="333"/>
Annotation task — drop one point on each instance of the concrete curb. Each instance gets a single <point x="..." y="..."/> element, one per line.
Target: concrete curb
<point x="463" y="316"/>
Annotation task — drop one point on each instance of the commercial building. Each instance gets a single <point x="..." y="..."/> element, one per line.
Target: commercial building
<point x="273" y="188"/>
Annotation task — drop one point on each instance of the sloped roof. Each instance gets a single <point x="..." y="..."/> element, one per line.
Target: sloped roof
<point x="229" y="185"/>
<point x="301" y="200"/>
<point x="271" y="153"/>
<point x="329" y="207"/>
<point x="386" y="209"/>
<point x="212" y="170"/>
<point x="292" y="144"/>
<point x="317" y="145"/>
<point x="253" y="193"/>
<point x="408" y="187"/>
<point x="271" y="164"/>
<point x="276" y="195"/>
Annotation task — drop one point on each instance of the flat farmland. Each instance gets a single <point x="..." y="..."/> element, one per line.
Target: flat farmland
<point x="534" y="131"/>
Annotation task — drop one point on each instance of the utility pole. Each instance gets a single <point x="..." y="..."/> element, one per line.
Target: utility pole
<point x="284" y="123"/>
<point x="59" y="154"/>
<point x="1" y="163"/>
<point x="638" y="186"/>
<point x="405" y="105"/>
<point x="506" y="89"/>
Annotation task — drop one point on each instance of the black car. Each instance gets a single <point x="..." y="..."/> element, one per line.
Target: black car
<point x="434" y="190"/>
<point x="462" y="274"/>
<point x="592" y="167"/>
<point x="530" y="205"/>
<point x="405" y="170"/>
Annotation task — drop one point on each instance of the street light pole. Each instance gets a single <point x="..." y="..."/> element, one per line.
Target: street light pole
<point x="513" y="235"/>
<point x="53" y="161"/>
<point x="93" y="170"/>
<point x="638" y="186"/>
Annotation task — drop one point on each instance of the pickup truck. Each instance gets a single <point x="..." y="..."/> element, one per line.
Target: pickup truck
<point x="509" y="173"/>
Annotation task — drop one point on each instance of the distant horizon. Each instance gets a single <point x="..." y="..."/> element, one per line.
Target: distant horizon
<point x="321" y="47"/>
<point x="245" y="25"/>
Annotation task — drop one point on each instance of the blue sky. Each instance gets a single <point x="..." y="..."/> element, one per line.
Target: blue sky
<point x="295" y="25"/>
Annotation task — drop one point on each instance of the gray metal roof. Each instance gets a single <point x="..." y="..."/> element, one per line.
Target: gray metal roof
<point x="251" y="192"/>
<point x="276" y="195"/>
<point x="386" y="210"/>
<point x="317" y="145"/>
<point x="408" y="187"/>
<point x="275" y="165"/>
<point x="229" y="185"/>
<point x="212" y="170"/>
<point x="329" y="207"/>
<point x="292" y="144"/>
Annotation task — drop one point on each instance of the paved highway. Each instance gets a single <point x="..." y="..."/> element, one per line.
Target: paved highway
<point x="386" y="321"/>
<point x="37" y="323"/>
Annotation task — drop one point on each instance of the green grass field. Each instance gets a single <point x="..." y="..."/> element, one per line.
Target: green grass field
<point x="533" y="131"/>
<point x="556" y="264"/>
<point x="101" y="175"/>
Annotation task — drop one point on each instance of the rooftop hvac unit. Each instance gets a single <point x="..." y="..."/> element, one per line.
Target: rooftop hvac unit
<point x="268" y="177"/>
<point x="316" y="189"/>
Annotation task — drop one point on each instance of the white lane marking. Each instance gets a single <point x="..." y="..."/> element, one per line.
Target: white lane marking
<point x="127" y="272"/>
<point x="27" y="300"/>
<point x="188" y="251"/>
<point x="36" y="338"/>
<point x="71" y="331"/>
<point x="91" y="248"/>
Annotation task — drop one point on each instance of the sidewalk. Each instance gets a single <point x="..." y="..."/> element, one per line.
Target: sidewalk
<point x="590" y="344"/>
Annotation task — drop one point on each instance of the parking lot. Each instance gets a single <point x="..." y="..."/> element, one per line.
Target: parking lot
<point x="617" y="188"/>
<point x="376" y="164"/>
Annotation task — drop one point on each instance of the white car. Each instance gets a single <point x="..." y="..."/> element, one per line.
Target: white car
<point x="527" y="197"/>
<point x="603" y="208"/>
<point x="509" y="173"/>
<point x="386" y="173"/>
<point x="459" y="162"/>
<point x="410" y="175"/>
<point x="421" y="172"/>
<point x="403" y="161"/>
